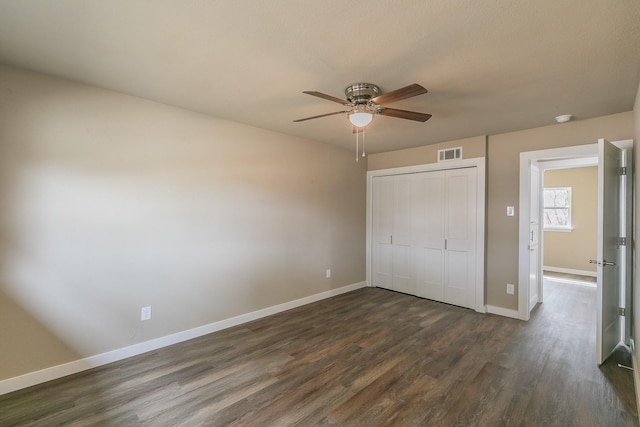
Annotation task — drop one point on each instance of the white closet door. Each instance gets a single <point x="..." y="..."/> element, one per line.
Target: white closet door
<point x="424" y="235"/>
<point x="430" y="235"/>
<point x="382" y="230"/>
<point x="460" y="237"/>
<point x="403" y="247"/>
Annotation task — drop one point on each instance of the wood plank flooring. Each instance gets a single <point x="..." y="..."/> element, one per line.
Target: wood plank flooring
<point x="370" y="357"/>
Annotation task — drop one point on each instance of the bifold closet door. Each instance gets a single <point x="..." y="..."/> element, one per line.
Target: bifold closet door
<point x="424" y="233"/>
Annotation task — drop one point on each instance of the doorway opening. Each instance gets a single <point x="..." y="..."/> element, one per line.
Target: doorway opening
<point x="569" y="205"/>
<point x="614" y="207"/>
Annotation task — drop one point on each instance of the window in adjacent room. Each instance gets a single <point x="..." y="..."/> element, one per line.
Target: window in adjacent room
<point x="557" y="208"/>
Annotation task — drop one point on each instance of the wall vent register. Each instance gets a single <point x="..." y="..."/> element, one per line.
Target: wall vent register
<point x="449" y="154"/>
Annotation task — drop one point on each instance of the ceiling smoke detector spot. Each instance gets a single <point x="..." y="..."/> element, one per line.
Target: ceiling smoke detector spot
<point x="564" y="118"/>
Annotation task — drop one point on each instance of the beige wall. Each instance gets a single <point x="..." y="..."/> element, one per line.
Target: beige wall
<point x="572" y="250"/>
<point x="471" y="148"/>
<point x="503" y="164"/>
<point x="109" y="203"/>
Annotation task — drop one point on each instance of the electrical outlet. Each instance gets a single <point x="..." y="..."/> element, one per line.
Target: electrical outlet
<point x="145" y="313"/>
<point x="328" y="273"/>
<point x="511" y="289"/>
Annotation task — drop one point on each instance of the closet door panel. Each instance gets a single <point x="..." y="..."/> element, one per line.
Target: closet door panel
<point x="403" y="225"/>
<point x="460" y="236"/>
<point x="381" y="233"/>
<point x="460" y="290"/>
<point x="429" y="232"/>
<point x="431" y="275"/>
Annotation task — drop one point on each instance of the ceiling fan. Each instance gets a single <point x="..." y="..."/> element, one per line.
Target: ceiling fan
<point x="365" y="101"/>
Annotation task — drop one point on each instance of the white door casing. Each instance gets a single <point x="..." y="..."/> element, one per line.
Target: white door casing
<point x="527" y="159"/>
<point x="626" y="255"/>
<point x="534" y="237"/>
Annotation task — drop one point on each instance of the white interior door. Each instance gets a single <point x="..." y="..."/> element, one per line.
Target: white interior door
<point x="460" y="237"/>
<point x="534" y="237"/>
<point x="382" y="232"/>
<point x="608" y="296"/>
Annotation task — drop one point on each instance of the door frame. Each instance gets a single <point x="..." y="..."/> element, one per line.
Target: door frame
<point x="480" y="164"/>
<point x="526" y="159"/>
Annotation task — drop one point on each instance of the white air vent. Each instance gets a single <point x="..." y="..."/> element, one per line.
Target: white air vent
<point x="449" y="154"/>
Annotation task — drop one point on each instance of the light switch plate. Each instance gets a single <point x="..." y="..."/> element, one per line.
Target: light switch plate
<point x="511" y="210"/>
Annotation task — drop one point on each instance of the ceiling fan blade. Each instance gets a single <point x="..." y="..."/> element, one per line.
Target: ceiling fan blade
<point x="321" y="115"/>
<point x="327" y="97"/>
<point x="399" y="94"/>
<point x="403" y="114"/>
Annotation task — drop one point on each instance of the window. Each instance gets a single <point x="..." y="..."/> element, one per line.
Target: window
<point x="557" y="208"/>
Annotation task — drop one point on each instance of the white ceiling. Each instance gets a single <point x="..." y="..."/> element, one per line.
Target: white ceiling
<point x="490" y="66"/>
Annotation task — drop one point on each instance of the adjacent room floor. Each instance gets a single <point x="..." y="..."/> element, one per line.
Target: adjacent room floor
<point x="368" y="357"/>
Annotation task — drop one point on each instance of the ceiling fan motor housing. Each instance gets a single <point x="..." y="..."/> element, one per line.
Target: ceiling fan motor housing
<point x="361" y="93"/>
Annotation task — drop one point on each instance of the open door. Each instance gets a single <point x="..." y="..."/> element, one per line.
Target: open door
<point x="608" y="263"/>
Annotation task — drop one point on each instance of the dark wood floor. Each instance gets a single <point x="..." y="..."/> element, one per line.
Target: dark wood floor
<point x="369" y="357"/>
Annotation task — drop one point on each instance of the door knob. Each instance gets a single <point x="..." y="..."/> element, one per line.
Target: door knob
<point x="604" y="262"/>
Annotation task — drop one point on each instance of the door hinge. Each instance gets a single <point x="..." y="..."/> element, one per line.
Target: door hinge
<point x="623" y="170"/>
<point x="622" y="311"/>
<point x="622" y="241"/>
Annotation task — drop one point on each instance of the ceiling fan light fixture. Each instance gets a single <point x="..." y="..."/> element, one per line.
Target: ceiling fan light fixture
<point x="360" y="118"/>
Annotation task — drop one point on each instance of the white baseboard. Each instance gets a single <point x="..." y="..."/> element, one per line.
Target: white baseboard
<point x="59" y="371"/>
<point x="570" y="271"/>
<point x="506" y="312"/>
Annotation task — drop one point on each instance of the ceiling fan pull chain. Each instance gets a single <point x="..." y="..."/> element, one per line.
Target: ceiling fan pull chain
<point x="357" y="146"/>
<point x="364" y="133"/>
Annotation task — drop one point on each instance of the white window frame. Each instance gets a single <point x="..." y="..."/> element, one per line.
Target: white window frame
<point x="569" y="225"/>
